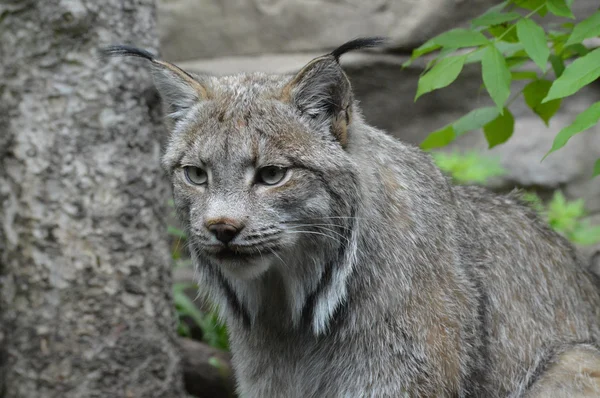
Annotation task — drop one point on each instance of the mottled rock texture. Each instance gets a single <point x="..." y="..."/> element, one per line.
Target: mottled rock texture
<point x="192" y="29"/>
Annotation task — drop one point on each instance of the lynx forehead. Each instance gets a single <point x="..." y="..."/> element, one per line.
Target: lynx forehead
<point x="347" y="265"/>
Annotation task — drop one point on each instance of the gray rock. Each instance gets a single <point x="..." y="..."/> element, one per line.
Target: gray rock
<point x="191" y="29"/>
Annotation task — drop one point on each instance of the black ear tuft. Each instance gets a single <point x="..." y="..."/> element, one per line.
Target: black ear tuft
<point x="123" y="50"/>
<point x="178" y="89"/>
<point x="358" y="44"/>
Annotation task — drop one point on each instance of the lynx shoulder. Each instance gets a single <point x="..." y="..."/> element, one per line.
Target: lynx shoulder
<point x="346" y="264"/>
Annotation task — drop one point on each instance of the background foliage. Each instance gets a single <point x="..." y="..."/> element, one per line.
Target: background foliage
<point x="567" y="217"/>
<point x="503" y="41"/>
<point x="213" y="332"/>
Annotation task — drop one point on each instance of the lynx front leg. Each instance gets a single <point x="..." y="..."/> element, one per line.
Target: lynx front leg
<point x="573" y="372"/>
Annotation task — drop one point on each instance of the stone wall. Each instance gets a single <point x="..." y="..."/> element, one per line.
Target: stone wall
<point x="211" y="28"/>
<point x="229" y="36"/>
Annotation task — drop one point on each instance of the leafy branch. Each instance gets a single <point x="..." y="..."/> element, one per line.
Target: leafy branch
<point x="503" y="40"/>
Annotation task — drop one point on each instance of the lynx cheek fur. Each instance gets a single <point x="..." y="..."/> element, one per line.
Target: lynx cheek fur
<point x="346" y="265"/>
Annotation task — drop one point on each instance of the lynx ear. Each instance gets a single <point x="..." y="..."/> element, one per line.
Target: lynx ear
<point x="178" y="89"/>
<point x="321" y="90"/>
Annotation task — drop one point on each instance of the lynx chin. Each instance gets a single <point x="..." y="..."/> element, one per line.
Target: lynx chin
<point x="346" y="265"/>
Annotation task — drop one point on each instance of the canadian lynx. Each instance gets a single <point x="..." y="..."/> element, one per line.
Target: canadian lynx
<point x="346" y="265"/>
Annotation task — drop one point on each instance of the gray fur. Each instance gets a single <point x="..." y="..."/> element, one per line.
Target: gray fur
<point x="375" y="277"/>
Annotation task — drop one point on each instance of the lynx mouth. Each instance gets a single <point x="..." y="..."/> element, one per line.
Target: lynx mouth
<point x="236" y="253"/>
<point x="227" y="253"/>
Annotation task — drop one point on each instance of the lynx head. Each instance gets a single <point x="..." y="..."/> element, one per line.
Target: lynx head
<point x="260" y="168"/>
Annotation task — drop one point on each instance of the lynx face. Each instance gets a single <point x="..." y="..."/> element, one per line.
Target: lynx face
<point x="263" y="181"/>
<point x="256" y="179"/>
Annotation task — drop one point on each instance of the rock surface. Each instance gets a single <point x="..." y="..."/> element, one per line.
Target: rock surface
<point x="207" y="372"/>
<point x="192" y="29"/>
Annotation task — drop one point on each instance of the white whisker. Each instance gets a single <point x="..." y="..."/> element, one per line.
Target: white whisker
<point x="277" y="255"/>
<point x="317" y="233"/>
<point x="322" y="227"/>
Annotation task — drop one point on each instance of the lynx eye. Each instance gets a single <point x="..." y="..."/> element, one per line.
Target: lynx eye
<point x="271" y="175"/>
<point x="195" y="175"/>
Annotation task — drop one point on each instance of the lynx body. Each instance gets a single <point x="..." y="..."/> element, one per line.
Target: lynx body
<point x="346" y="265"/>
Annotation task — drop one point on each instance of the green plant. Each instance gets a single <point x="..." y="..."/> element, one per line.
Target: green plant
<point x="564" y="216"/>
<point x="468" y="167"/>
<point x="502" y="40"/>
<point x="214" y="333"/>
<point x="567" y="217"/>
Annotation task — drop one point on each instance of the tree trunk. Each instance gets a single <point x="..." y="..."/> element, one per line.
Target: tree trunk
<point x="85" y="305"/>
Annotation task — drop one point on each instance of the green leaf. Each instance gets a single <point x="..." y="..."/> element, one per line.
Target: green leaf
<point x="441" y="55"/>
<point x="408" y="62"/>
<point x="564" y="215"/>
<point x="475" y="119"/>
<point x="559" y="8"/>
<point x="585" y="120"/>
<point x="515" y="62"/>
<point x="183" y="329"/>
<point x="585" y="29"/>
<point x="496" y="76"/>
<point x="494" y="18"/>
<point x="455" y="38"/>
<point x="558" y="66"/>
<point x="508" y="49"/>
<point x="460" y="38"/>
<point x="581" y="72"/>
<point x="475" y="56"/>
<point x="523" y="75"/>
<point x="425" y="48"/>
<point x="584" y="234"/>
<point x="499" y="130"/>
<point x="214" y="333"/>
<point x="439" y="138"/>
<point x="469" y="167"/>
<point x="532" y="5"/>
<point x="534" y="93"/>
<point x="441" y="75"/>
<point x="505" y="32"/>
<point x="558" y="36"/>
<point x="578" y="49"/>
<point x="184" y="305"/>
<point x="546" y="110"/>
<point x="597" y="168"/>
<point x="534" y="40"/>
<point x="534" y="201"/>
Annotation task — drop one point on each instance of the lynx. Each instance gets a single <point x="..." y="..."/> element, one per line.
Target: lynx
<point x="347" y="265"/>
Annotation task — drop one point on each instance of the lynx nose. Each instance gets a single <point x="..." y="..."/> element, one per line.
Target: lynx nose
<point x="225" y="232"/>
